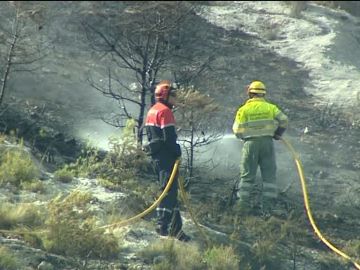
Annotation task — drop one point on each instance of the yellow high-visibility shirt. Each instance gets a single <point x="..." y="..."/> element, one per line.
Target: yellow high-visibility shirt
<point x="257" y="118"/>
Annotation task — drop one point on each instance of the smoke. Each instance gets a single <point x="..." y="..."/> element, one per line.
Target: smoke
<point x="224" y="156"/>
<point x="97" y="133"/>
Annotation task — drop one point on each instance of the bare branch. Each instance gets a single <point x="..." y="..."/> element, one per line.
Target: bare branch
<point x="9" y="60"/>
<point x="22" y="50"/>
<point x="137" y="40"/>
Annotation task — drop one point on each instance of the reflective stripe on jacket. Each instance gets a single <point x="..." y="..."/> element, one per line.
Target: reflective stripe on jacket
<point x="160" y="116"/>
<point x="257" y="118"/>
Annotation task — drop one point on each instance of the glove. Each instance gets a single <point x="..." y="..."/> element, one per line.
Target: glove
<point x="152" y="148"/>
<point x="177" y="151"/>
<point x="238" y="135"/>
<point x="278" y="132"/>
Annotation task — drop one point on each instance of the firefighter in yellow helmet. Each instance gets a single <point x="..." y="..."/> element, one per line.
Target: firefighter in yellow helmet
<point x="257" y="123"/>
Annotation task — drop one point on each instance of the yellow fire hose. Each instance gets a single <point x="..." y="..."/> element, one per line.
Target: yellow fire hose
<point x="308" y="210"/>
<point x="146" y="211"/>
<point x="187" y="204"/>
<point x="152" y="207"/>
<point x="156" y="203"/>
<point x="134" y="218"/>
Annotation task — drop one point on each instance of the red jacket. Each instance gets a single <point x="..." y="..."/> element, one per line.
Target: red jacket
<point x="160" y="130"/>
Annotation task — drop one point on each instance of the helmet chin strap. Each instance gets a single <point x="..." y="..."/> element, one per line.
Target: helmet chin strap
<point x="167" y="99"/>
<point x="166" y="102"/>
<point x="171" y="106"/>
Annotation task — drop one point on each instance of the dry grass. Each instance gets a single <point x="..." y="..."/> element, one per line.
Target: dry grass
<point x="72" y="229"/>
<point x="25" y="214"/>
<point x="35" y="186"/>
<point x="222" y="257"/>
<point x="17" y="166"/>
<point x="64" y="175"/>
<point x="172" y="254"/>
<point x="8" y="260"/>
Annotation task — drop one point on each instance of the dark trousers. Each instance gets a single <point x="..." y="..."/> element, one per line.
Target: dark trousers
<point x="168" y="213"/>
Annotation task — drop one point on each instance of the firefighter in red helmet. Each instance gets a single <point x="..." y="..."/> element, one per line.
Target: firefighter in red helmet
<point x="164" y="150"/>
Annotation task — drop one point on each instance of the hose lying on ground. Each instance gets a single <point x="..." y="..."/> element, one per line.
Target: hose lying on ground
<point x="308" y="210"/>
<point x="153" y="206"/>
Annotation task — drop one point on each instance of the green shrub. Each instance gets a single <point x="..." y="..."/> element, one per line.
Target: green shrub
<point x="172" y="254"/>
<point x="64" y="175"/>
<point x="125" y="159"/>
<point x="87" y="164"/>
<point x="36" y="186"/>
<point x="163" y="265"/>
<point x="2" y="138"/>
<point x="124" y="151"/>
<point x="72" y="229"/>
<point x="25" y="214"/>
<point x="121" y="164"/>
<point x="108" y="184"/>
<point x="268" y="236"/>
<point x="16" y="167"/>
<point x="8" y="261"/>
<point x="218" y="258"/>
<point x="263" y="250"/>
<point x="33" y="239"/>
<point x="352" y="248"/>
<point x="328" y="260"/>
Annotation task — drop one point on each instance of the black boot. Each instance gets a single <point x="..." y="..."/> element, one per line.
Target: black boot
<point x="161" y="230"/>
<point x="181" y="236"/>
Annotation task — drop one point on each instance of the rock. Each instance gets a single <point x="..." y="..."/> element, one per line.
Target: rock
<point x="45" y="266"/>
<point x="159" y="259"/>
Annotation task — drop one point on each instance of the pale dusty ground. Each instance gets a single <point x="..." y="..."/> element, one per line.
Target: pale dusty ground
<point x="328" y="46"/>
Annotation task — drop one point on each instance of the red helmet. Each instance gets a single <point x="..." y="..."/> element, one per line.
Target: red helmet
<point x="162" y="90"/>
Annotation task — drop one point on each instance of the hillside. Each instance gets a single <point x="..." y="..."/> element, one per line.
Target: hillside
<point x="309" y="62"/>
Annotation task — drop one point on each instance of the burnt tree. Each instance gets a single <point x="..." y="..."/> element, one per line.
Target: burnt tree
<point x="136" y="42"/>
<point x="21" y="43"/>
<point x="198" y="124"/>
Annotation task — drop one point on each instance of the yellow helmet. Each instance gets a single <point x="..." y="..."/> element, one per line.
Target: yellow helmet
<point x="257" y="87"/>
